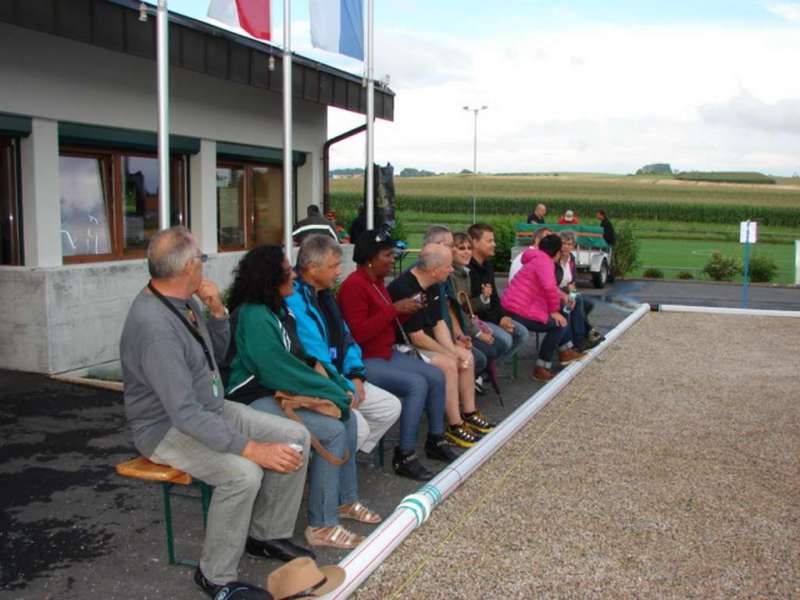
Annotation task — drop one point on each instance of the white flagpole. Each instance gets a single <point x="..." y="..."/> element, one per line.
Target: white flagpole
<point x="162" y="40"/>
<point x="370" y="119"/>
<point x="288" y="173"/>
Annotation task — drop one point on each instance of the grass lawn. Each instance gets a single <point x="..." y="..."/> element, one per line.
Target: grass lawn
<point x="673" y="256"/>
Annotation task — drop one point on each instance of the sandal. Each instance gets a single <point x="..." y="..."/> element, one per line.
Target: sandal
<point x="358" y="512"/>
<point x="335" y="537"/>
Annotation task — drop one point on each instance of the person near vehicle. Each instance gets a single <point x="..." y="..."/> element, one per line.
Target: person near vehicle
<point x="609" y="234"/>
<point x="313" y="224"/>
<point x="428" y="332"/>
<point x="538" y="214"/>
<point x="484" y="297"/>
<point x="532" y="298"/>
<point x="326" y="337"/>
<point x="569" y="218"/>
<point x="176" y="409"/>
<point x="577" y="305"/>
<point x="372" y="315"/>
<point x="267" y="357"/>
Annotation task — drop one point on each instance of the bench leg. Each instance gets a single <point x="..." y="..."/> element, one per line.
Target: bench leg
<point x="165" y="487"/>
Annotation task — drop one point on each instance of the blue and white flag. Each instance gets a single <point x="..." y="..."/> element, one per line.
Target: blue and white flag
<point x="338" y="26"/>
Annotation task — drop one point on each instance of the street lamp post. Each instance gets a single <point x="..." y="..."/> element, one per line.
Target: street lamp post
<point x="475" y="112"/>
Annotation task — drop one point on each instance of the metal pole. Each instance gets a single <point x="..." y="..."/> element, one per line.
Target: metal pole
<point x="288" y="171"/>
<point x="746" y="275"/>
<point x="370" y="120"/>
<point x="162" y="40"/>
<point x="475" y="171"/>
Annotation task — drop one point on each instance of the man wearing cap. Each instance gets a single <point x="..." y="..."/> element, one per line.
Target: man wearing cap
<point x="175" y="408"/>
<point x="569" y="218"/>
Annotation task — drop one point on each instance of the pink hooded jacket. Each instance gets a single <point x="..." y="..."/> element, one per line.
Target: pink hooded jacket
<point x="533" y="293"/>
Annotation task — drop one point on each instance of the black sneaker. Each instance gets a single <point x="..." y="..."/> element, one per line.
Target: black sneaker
<point x="406" y="464"/>
<point x="477" y="422"/>
<point x="204" y="584"/>
<point x="438" y="448"/>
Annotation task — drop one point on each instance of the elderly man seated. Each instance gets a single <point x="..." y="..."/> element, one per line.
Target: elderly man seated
<point x="326" y="337"/>
<point x="176" y="410"/>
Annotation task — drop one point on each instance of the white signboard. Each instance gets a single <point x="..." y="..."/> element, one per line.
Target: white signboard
<point x="748" y="232"/>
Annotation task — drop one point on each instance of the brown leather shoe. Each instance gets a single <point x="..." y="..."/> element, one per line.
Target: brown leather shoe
<point x="570" y="355"/>
<point x="542" y="374"/>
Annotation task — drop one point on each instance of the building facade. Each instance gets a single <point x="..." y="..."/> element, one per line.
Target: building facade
<point x="79" y="170"/>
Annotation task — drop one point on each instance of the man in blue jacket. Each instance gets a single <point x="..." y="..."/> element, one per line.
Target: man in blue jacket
<point x="326" y="337"/>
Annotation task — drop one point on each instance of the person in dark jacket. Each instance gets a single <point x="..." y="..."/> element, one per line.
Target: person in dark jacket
<point x="485" y="299"/>
<point x="608" y="229"/>
<point x="313" y="224"/>
<point x="538" y="214"/>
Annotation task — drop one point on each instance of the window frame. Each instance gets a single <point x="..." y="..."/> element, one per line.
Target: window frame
<point x="248" y="204"/>
<point x="12" y="225"/>
<point x="112" y="159"/>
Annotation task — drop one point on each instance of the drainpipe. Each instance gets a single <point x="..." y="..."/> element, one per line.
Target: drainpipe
<point x="326" y="186"/>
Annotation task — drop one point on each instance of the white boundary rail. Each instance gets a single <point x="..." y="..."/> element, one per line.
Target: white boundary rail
<point x="725" y="311"/>
<point x="415" y="509"/>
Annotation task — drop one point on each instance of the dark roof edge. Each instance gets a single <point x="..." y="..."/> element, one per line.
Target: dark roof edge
<point x="259" y="46"/>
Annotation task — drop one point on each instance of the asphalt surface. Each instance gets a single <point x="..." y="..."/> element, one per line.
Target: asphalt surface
<point x="71" y="528"/>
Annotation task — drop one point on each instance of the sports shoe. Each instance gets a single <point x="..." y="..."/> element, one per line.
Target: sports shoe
<point x="542" y="374"/>
<point x="570" y="355"/>
<point x="461" y="435"/>
<point x="588" y="344"/>
<point x="406" y="464"/>
<point x="438" y="448"/>
<point x="478" y="422"/>
<point x="596" y="335"/>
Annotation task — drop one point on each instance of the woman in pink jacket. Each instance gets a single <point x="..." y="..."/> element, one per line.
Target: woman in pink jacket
<point x="532" y="299"/>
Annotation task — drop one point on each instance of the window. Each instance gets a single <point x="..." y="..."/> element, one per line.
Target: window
<point x="10" y="253"/>
<point x="249" y="205"/>
<point x="109" y="202"/>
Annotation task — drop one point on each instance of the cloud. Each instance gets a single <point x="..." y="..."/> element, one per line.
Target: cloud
<point x="787" y="10"/>
<point x="746" y="111"/>
<point x="635" y="95"/>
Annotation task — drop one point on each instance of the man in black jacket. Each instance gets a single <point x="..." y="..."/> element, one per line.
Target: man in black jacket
<point x="608" y="229"/>
<point x="509" y="334"/>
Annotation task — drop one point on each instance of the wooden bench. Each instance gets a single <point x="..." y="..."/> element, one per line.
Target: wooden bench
<point x="168" y="477"/>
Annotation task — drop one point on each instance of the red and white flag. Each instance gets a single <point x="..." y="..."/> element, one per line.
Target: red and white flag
<point x="251" y="15"/>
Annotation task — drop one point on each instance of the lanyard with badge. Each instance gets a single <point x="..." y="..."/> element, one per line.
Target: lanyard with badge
<point x="194" y="330"/>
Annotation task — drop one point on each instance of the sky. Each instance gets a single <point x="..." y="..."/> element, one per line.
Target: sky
<point x="578" y="85"/>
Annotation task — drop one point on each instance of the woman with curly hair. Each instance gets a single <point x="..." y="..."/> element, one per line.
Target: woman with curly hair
<point x="266" y="356"/>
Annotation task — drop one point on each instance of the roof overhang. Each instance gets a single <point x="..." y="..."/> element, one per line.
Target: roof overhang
<point x="196" y="46"/>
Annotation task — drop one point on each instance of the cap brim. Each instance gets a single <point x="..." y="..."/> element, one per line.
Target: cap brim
<point x="334" y="578"/>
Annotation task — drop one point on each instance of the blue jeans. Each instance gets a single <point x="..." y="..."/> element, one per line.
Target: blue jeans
<point x="329" y="485"/>
<point x="508" y="343"/>
<point x="578" y="323"/>
<point x="554" y="336"/>
<point x="419" y="386"/>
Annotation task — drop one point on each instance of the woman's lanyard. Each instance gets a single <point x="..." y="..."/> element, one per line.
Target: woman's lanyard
<point x="396" y="320"/>
<point x="193" y="329"/>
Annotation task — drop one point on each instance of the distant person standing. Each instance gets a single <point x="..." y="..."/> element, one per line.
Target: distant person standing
<point x="569" y="218"/>
<point x="608" y="229"/>
<point x="538" y="214"/>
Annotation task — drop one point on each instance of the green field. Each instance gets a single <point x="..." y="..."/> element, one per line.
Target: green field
<point x="674" y="256"/>
<point x="596" y="188"/>
<point x="699" y="216"/>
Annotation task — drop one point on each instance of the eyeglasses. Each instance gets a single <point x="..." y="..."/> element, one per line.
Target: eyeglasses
<point x="201" y="257"/>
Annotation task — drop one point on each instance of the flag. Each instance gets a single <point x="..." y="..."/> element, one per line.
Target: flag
<point x="338" y="26"/>
<point x="250" y="15"/>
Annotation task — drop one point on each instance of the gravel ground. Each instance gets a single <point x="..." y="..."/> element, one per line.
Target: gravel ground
<point x="668" y="469"/>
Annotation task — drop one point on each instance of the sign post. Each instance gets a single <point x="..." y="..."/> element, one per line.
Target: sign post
<point x="748" y="234"/>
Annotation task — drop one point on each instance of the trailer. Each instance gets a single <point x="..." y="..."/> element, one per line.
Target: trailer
<point x="592" y="254"/>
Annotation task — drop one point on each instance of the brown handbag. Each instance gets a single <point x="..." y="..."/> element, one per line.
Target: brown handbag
<point x="291" y="402"/>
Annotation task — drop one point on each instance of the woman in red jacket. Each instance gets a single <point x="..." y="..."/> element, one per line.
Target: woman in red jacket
<point x="373" y="319"/>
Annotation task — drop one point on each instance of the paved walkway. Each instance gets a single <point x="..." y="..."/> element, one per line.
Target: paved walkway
<point x="71" y="528"/>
